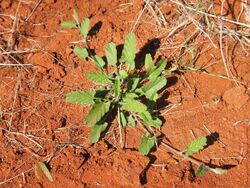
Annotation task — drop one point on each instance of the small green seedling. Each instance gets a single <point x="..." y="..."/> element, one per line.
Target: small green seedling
<point x="127" y="93"/>
<point x="196" y="146"/>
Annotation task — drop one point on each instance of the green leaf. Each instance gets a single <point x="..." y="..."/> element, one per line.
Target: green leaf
<point x="133" y="105"/>
<point x="154" y="86"/>
<point x="96" y="113"/>
<point x="147" y="143"/>
<point x="167" y="72"/>
<point x="75" y="15"/>
<point x="154" y="97"/>
<point x="99" y="62"/>
<point x="117" y="87"/>
<point x="202" y="170"/>
<point x="131" y="95"/>
<point x="45" y="170"/>
<point x="131" y="121"/>
<point x="139" y="91"/>
<point x="158" y="70"/>
<point x="70" y="25"/>
<point x="133" y="83"/>
<point x="99" y="77"/>
<point x="149" y="63"/>
<point x="111" y="54"/>
<point x="123" y="74"/>
<point x="80" y="52"/>
<point x="81" y="97"/>
<point x="84" y="28"/>
<point x="96" y="132"/>
<point x="196" y="145"/>
<point x="123" y="119"/>
<point x="129" y="51"/>
<point x="148" y="120"/>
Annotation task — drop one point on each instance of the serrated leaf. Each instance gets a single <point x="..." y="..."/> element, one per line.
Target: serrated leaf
<point x="123" y="119"/>
<point x="70" y="25"/>
<point x="133" y="83"/>
<point x="96" y="113"/>
<point x="45" y="170"/>
<point x="80" y="52"/>
<point x="131" y="121"/>
<point x="99" y="77"/>
<point x="147" y="143"/>
<point x="85" y="27"/>
<point x="81" y="97"/>
<point x="111" y="54"/>
<point x="148" y="120"/>
<point x="129" y="51"/>
<point x="195" y="145"/>
<point x="149" y="62"/>
<point x="99" y="62"/>
<point x="157" y="70"/>
<point x="96" y="132"/>
<point x="133" y="105"/>
<point x="154" y="86"/>
<point x="202" y="170"/>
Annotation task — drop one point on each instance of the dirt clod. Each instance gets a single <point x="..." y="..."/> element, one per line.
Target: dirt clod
<point x="193" y="103"/>
<point x="5" y="4"/>
<point x="236" y="97"/>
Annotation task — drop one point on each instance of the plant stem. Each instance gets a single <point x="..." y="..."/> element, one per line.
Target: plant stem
<point x="181" y="154"/>
<point x="120" y="126"/>
<point x="172" y="149"/>
<point x="195" y="161"/>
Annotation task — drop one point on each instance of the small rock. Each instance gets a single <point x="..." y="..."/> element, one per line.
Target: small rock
<point x="236" y="97"/>
<point x="5" y="4"/>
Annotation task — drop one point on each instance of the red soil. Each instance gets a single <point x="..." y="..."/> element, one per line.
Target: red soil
<point x="32" y="99"/>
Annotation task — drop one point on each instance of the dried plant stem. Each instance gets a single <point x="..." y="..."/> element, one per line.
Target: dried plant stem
<point x="211" y="15"/>
<point x="33" y="10"/>
<point x="120" y="127"/>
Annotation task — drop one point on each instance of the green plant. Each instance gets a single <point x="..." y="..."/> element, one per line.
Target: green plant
<point x="127" y="93"/>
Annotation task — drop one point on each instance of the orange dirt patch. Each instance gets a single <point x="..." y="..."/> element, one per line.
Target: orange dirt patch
<point x="38" y="125"/>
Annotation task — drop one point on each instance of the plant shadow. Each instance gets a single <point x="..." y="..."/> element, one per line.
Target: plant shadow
<point x="95" y="29"/>
<point x="143" y="174"/>
<point x="150" y="47"/>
